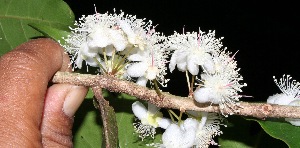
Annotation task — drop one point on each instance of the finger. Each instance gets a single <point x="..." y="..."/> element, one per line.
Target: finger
<point x="24" y="76"/>
<point x="61" y="103"/>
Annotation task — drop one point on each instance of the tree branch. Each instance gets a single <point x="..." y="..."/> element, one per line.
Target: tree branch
<point x="258" y="110"/>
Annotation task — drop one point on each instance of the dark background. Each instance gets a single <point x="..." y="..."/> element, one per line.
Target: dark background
<point x="266" y="34"/>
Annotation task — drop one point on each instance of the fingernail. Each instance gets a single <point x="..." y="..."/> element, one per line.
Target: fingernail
<point x="74" y="99"/>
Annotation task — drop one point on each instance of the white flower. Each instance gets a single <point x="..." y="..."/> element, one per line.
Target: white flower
<point x="142" y="81"/>
<point x="206" y="133"/>
<point x="182" y="136"/>
<point x="149" y="63"/>
<point x="208" y="128"/>
<point x="280" y="99"/>
<point x="224" y="63"/>
<point x="93" y="34"/>
<point x="77" y="46"/>
<point x="102" y="37"/>
<point x="193" y="50"/>
<point x="198" y="132"/>
<point x="150" y="119"/>
<point x="134" y="29"/>
<point x="290" y="91"/>
<point x="289" y="96"/>
<point x="140" y="33"/>
<point x="219" y="88"/>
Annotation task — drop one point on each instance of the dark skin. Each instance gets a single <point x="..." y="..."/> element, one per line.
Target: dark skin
<point x="32" y="114"/>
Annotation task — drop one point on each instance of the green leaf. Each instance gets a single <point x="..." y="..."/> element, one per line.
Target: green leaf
<point x="15" y="15"/>
<point x="87" y="128"/>
<point x="237" y="134"/>
<point x="90" y="94"/>
<point x="51" y="32"/>
<point x="282" y="130"/>
<point x="241" y="133"/>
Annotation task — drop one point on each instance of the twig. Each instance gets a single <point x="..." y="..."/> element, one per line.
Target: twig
<point x="258" y="110"/>
<point x="108" y="119"/>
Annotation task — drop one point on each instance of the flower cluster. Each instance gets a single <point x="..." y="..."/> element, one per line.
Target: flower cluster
<point x="199" y="130"/>
<point x="219" y="80"/>
<point x="290" y="95"/>
<point x="149" y="119"/>
<point x="129" y="48"/>
<point x="192" y="50"/>
<point x="119" y="45"/>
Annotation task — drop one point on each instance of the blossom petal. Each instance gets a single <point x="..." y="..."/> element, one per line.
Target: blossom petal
<point x="136" y="57"/>
<point x="118" y="40"/>
<point x="172" y="63"/>
<point x="192" y="66"/>
<point x="172" y="137"/>
<point x="179" y="58"/>
<point x="142" y="81"/>
<point x="139" y="110"/>
<point x="190" y="124"/>
<point x="272" y="99"/>
<point x="137" y="69"/>
<point x="127" y="29"/>
<point x="177" y="137"/>
<point x="99" y="38"/>
<point x="91" y="61"/>
<point x="164" y="122"/>
<point x="202" y="95"/>
<point x="182" y="66"/>
<point x="282" y="99"/>
<point x="87" y="51"/>
<point x="209" y="66"/>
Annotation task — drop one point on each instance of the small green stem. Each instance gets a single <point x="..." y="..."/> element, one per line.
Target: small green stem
<point x="123" y="59"/>
<point x="105" y="58"/>
<point x="192" y="87"/>
<point x="171" y="116"/>
<point x="100" y="65"/>
<point x="188" y="80"/>
<point x="156" y="88"/>
<point x="180" y="115"/>
<point x="192" y="84"/>
<point x="171" y="111"/>
<point x="121" y="67"/>
<point x="113" y="59"/>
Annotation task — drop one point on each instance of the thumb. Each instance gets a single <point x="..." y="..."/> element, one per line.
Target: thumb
<point x="61" y="103"/>
<point x="24" y="76"/>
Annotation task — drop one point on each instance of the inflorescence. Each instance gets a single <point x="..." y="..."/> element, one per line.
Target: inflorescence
<point x="129" y="48"/>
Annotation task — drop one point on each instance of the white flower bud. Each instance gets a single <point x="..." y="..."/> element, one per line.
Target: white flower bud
<point x="202" y="95"/>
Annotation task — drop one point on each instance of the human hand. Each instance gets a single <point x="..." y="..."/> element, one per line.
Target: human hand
<point x="32" y="114"/>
